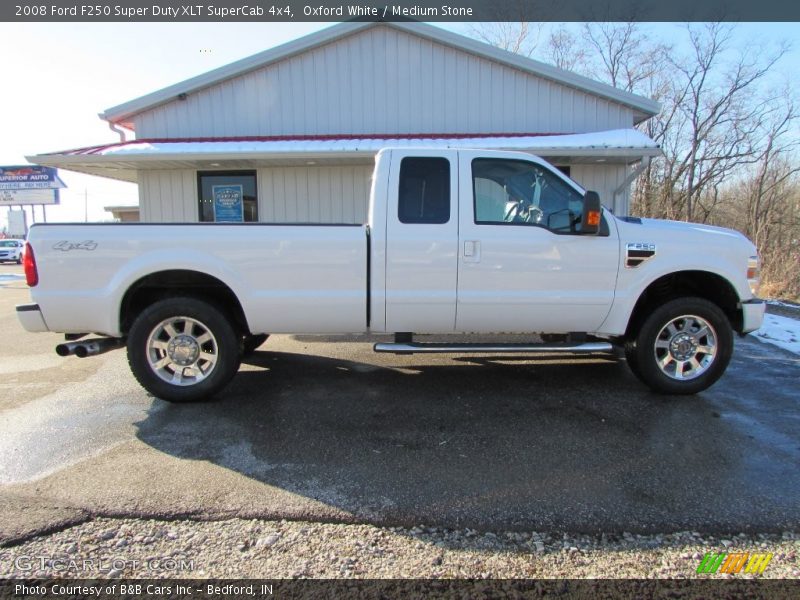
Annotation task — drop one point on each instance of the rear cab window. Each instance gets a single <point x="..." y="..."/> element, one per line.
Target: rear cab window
<point x="424" y="192"/>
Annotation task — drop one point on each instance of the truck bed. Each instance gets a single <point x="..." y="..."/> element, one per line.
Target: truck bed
<point x="288" y="278"/>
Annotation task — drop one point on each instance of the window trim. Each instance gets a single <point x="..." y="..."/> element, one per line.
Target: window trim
<point x="226" y="173"/>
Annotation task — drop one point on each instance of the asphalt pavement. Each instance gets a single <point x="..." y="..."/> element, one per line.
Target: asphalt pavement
<point x="329" y="431"/>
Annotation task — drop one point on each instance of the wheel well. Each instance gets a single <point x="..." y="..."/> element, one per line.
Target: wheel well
<point x="701" y="284"/>
<point x="167" y="284"/>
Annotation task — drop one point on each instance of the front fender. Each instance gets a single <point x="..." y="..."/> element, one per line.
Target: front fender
<point x="625" y="299"/>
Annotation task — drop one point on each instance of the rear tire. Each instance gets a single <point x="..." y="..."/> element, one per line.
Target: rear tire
<point x="183" y="349"/>
<point x="683" y="347"/>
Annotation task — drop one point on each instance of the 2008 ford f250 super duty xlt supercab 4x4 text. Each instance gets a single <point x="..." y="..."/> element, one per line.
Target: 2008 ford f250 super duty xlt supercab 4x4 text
<point x="456" y="241"/>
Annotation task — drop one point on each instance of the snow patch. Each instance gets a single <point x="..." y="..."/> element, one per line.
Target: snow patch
<point x="783" y="304"/>
<point x="780" y="331"/>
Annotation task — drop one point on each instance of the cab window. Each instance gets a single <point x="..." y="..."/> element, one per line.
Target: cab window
<point x="424" y="193"/>
<point x="517" y="192"/>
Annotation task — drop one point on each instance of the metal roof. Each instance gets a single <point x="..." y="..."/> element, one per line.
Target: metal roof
<point x="644" y="107"/>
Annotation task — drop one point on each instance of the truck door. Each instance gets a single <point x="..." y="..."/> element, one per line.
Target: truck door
<point x="422" y="241"/>
<point x="523" y="264"/>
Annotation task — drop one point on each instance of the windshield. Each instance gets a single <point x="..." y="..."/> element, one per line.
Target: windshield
<point x="9" y="244"/>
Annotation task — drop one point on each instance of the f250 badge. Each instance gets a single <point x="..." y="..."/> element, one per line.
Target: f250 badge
<point x="66" y="246"/>
<point x="637" y="253"/>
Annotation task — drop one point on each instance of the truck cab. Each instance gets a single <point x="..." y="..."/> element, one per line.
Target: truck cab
<point x="478" y="242"/>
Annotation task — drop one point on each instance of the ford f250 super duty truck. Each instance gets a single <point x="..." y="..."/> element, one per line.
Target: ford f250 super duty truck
<point x="456" y="241"/>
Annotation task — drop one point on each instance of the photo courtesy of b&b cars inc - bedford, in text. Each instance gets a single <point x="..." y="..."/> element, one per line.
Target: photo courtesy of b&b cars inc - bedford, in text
<point x="399" y="300"/>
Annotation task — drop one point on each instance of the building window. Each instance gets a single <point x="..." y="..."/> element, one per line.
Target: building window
<point x="227" y="196"/>
<point x="424" y="195"/>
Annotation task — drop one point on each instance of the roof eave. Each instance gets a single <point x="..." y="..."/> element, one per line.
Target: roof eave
<point x="96" y="168"/>
<point x="142" y="160"/>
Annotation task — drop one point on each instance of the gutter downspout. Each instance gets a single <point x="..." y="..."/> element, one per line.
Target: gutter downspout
<point x="643" y="164"/>
<point x="120" y="132"/>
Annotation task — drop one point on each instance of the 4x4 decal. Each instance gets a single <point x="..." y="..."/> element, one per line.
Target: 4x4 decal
<point x="66" y="246"/>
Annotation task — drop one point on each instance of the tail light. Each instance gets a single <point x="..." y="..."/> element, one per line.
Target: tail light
<point x="754" y="274"/>
<point x="29" y="262"/>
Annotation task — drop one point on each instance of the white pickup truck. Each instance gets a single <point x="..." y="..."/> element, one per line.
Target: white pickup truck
<point x="457" y="241"/>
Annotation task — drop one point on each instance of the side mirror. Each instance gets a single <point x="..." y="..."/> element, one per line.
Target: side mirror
<point x="592" y="211"/>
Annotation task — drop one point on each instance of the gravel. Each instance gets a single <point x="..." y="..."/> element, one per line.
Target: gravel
<point x="289" y="549"/>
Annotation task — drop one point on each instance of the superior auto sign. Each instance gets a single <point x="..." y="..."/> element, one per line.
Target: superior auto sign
<point x="29" y="177"/>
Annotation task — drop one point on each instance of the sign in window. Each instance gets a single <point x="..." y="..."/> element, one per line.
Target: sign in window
<point x="227" y="196"/>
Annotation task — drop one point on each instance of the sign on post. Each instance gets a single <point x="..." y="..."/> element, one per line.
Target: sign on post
<point x="29" y="184"/>
<point x="20" y="197"/>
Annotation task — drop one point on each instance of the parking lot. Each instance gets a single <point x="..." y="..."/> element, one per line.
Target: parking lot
<point x="333" y="432"/>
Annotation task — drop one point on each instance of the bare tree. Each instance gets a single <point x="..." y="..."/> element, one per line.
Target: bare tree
<point x="767" y="195"/>
<point x="628" y="58"/>
<point x="518" y="37"/>
<point x="715" y="114"/>
<point x="566" y="51"/>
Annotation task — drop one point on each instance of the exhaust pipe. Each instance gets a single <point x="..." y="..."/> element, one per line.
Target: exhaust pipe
<point x="97" y="346"/>
<point x="67" y="348"/>
<point x="89" y="347"/>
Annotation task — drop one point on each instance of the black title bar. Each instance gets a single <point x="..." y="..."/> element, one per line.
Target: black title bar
<point x="399" y="10"/>
<point x="389" y="589"/>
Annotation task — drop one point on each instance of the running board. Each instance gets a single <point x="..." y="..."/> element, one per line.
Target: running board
<point x="433" y="348"/>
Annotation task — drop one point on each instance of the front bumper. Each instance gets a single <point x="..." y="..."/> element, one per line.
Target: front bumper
<point x="752" y="314"/>
<point x="31" y="318"/>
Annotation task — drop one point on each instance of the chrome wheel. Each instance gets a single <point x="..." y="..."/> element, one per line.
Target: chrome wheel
<point x="182" y="351"/>
<point x="685" y="347"/>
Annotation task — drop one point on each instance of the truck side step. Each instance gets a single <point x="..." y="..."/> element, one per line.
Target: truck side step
<point x="484" y="348"/>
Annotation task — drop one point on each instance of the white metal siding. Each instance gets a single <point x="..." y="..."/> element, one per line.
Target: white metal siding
<point x="285" y="195"/>
<point x="604" y="179"/>
<point x="383" y="81"/>
<point x="314" y="194"/>
<point x="168" y="196"/>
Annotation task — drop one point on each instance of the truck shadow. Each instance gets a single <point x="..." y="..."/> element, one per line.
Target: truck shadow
<point x="482" y="442"/>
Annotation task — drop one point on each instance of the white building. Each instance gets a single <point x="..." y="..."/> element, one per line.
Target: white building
<point x="298" y="125"/>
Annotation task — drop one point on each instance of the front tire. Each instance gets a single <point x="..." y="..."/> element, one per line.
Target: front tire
<point x="683" y="347"/>
<point x="183" y="349"/>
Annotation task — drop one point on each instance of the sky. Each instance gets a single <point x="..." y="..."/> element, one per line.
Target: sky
<point x="58" y="77"/>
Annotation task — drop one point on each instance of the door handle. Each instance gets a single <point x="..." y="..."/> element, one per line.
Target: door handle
<point x="472" y="251"/>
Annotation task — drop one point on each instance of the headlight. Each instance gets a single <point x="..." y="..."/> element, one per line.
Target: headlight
<point x="754" y="274"/>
